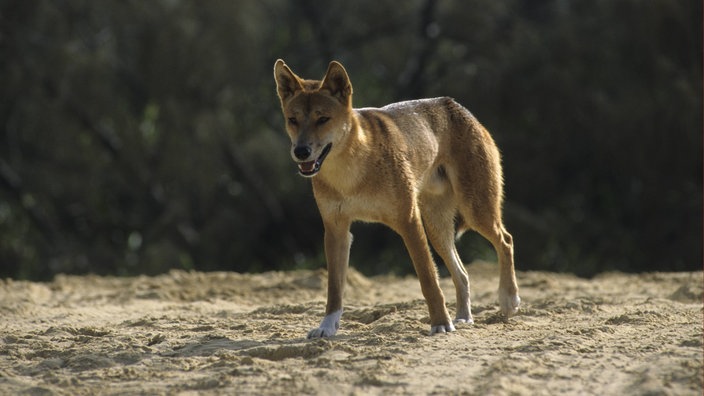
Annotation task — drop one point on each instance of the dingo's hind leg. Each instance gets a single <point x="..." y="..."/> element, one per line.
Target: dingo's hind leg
<point x="488" y="225"/>
<point x="508" y="288"/>
<point x="479" y="197"/>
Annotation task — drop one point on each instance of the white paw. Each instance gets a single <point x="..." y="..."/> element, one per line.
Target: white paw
<point x="441" y="329"/>
<point x="509" y="304"/>
<point x="467" y="321"/>
<point x="328" y="327"/>
<point x="321" y="332"/>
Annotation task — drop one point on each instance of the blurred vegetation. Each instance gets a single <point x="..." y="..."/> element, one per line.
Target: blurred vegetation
<point x="139" y="136"/>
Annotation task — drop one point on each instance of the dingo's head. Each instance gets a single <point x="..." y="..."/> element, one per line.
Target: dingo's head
<point x="317" y="113"/>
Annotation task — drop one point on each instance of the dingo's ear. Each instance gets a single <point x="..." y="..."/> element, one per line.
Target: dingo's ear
<point x="338" y="83"/>
<point x="287" y="83"/>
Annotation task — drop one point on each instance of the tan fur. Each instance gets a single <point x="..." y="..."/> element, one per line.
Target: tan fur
<point x="422" y="167"/>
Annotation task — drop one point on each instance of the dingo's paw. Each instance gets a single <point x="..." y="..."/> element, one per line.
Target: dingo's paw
<point x="328" y="327"/>
<point x="441" y="329"/>
<point x="463" y="314"/>
<point x="509" y="303"/>
<point x="463" y="321"/>
<point x="322" y="332"/>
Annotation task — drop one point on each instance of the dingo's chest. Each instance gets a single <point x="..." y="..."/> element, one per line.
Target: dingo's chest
<point x="366" y="208"/>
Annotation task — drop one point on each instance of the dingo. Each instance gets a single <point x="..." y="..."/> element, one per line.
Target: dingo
<point x="425" y="168"/>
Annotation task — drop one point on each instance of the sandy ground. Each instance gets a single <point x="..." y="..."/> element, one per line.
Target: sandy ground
<point x="227" y="333"/>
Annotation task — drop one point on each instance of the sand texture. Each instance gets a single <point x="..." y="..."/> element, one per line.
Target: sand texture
<point x="227" y="333"/>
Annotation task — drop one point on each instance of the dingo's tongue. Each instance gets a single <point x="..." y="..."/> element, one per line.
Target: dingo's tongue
<point x="306" y="166"/>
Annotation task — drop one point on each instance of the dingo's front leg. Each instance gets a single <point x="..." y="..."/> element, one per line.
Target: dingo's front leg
<point x="338" y="241"/>
<point x="417" y="244"/>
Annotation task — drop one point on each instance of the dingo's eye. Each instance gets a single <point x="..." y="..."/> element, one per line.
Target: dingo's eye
<point x="322" y="120"/>
<point x="293" y="121"/>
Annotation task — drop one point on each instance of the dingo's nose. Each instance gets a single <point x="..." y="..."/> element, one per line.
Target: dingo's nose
<point x="302" y="152"/>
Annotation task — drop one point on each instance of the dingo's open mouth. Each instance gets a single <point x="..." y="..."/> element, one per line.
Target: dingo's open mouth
<point x="310" y="168"/>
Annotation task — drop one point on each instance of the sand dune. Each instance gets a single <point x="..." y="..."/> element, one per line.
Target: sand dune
<point x="228" y="333"/>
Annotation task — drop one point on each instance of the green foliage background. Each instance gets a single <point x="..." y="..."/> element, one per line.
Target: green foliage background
<point x="139" y="136"/>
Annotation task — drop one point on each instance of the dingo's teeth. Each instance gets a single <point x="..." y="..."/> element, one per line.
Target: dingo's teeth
<point x="306" y="166"/>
